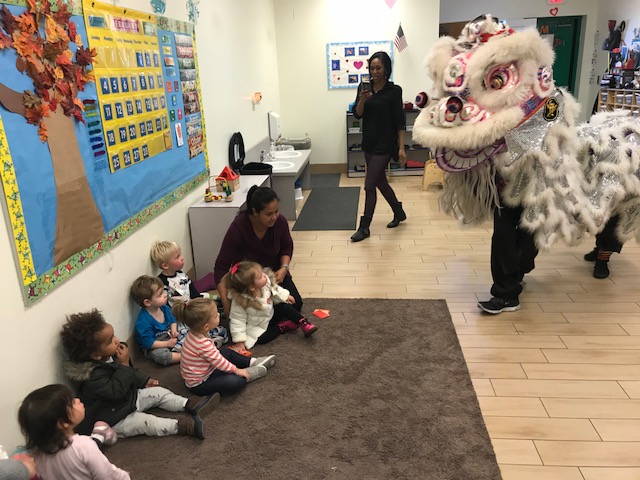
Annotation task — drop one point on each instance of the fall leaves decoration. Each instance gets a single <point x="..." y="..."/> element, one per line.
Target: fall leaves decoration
<point x="41" y="38"/>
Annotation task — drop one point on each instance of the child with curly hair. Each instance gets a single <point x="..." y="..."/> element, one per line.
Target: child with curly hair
<point x="260" y="308"/>
<point x="204" y="368"/>
<point x="47" y="419"/>
<point x="115" y="392"/>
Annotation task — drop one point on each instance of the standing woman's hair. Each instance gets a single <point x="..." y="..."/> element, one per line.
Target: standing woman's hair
<point x="258" y="198"/>
<point x="40" y="417"/>
<point x="386" y="62"/>
<point x="194" y="313"/>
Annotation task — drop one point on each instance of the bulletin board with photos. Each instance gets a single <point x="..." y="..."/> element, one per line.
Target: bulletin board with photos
<point x="96" y="139"/>
<point x="347" y="62"/>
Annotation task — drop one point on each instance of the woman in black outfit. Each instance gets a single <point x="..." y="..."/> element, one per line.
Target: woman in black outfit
<point x="380" y="107"/>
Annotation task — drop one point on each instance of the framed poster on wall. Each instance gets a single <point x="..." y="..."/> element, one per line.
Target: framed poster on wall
<point x="347" y="62"/>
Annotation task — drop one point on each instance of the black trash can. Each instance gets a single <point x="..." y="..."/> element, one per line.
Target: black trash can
<point x="255" y="168"/>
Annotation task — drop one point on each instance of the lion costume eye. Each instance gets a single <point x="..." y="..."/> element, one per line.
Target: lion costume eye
<point x="501" y="76"/>
<point x="455" y="79"/>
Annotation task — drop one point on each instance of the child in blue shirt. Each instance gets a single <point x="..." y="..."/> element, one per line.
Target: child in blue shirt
<point x="156" y="327"/>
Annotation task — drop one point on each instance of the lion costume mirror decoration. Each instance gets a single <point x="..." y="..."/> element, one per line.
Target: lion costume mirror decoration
<point x="497" y="123"/>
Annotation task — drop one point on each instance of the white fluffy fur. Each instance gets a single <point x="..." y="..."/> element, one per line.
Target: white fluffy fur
<point x="437" y="60"/>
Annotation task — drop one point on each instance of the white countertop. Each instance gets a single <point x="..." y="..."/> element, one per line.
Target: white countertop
<point x="298" y="163"/>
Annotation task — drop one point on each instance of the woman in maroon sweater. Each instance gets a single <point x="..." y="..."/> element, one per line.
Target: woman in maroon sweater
<point x="259" y="234"/>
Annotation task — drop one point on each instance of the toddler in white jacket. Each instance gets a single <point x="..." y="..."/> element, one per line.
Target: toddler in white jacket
<point x="260" y="309"/>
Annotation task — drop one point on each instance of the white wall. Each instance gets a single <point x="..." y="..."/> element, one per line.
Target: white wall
<point x="236" y="51"/>
<point x="303" y="29"/>
<point x="462" y="10"/>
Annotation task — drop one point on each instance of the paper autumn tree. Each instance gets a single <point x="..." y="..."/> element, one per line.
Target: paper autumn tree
<point x="41" y="37"/>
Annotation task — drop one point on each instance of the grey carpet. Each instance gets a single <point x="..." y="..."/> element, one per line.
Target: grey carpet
<point x="380" y="392"/>
<point x="319" y="180"/>
<point x="329" y="208"/>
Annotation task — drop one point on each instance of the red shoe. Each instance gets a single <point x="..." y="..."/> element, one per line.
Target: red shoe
<point x="307" y="328"/>
<point x="287" y="326"/>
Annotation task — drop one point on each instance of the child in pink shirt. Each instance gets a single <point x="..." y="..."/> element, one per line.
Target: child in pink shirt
<point x="203" y="367"/>
<point x="47" y="418"/>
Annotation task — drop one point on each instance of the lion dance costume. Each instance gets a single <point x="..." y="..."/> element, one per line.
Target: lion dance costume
<point x="506" y="136"/>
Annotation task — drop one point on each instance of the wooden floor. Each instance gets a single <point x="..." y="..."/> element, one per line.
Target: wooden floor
<point x="558" y="382"/>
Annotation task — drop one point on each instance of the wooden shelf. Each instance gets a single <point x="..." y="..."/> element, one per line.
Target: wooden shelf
<point x="610" y="99"/>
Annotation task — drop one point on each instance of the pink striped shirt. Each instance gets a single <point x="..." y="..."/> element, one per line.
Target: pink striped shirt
<point x="200" y="358"/>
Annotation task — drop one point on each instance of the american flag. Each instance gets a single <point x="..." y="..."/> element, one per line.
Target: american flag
<point x="401" y="40"/>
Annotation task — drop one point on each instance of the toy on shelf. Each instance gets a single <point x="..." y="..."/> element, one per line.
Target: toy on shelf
<point x="231" y="178"/>
<point x="208" y="196"/>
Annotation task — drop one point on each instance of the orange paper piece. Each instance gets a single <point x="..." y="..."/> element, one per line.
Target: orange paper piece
<point x="320" y="313"/>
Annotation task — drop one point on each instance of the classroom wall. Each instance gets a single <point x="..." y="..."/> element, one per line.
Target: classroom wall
<point x="236" y="51"/>
<point x="303" y="29"/>
<point x="586" y="92"/>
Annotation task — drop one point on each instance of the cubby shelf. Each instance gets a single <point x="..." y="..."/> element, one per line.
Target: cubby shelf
<point x="610" y="99"/>
<point x="355" y="155"/>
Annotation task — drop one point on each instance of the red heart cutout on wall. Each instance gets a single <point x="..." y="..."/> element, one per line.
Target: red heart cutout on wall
<point x="358" y="64"/>
<point x="554" y="11"/>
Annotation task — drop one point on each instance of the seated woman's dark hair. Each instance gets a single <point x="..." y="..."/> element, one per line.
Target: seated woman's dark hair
<point x="40" y="415"/>
<point x="259" y="197"/>
<point x="386" y="62"/>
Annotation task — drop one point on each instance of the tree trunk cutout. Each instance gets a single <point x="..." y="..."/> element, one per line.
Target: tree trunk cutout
<point x="78" y="221"/>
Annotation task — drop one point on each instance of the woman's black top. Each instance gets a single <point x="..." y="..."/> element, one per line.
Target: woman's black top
<point x="382" y="118"/>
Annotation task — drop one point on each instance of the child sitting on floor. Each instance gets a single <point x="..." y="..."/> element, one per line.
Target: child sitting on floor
<point x="168" y="257"/>
<point x="47" y="419"/>
<point x="204" y="368"/>
<point x="156" y="327"/>
<point x="115" y="392"/>
<point x="260" y="308"/>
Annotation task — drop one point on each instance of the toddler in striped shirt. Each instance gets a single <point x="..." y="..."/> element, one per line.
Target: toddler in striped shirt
<point x="203" y="367"/>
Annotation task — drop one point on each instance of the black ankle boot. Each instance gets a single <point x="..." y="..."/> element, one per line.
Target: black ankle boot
<point x="601" y="269"/>
<point x="363" y="230"/>
<point x="398" y="216"/>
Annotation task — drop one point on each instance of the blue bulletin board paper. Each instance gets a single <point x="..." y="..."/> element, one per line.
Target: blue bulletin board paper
<point x="126" y="199"/>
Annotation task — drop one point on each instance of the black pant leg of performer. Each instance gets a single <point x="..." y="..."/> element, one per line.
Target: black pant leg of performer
<point x="293" y="290"/>
<point x="377" y="177"/>
<point x="528" y="252"/>
<point x="607" y="239"/>
<point x="506" y="253"/>
<point x="281" y="311"/>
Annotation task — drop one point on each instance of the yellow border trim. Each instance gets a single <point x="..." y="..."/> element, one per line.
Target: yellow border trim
<point x="14" y="208"/>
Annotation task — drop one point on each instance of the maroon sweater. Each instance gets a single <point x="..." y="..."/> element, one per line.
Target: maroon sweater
<point x="241" y="243"/>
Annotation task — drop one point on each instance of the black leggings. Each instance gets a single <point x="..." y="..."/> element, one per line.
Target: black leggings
<point x="293" y="291"/>
<point x="376" y="177"/>
<point x="281" y="311"/>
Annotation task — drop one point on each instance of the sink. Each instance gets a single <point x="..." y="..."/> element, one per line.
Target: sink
<point x="280" y="164"/>
<point x="287" y="154"/>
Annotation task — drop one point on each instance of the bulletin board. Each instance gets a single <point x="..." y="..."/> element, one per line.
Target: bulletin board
<point x="347" y="62"/>
<point x="95" y="139"/>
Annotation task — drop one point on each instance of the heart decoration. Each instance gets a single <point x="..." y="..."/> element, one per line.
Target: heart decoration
<point x="554" y="11"/>
<point x="358" y="64"/>
<point x="390" y="3"/>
